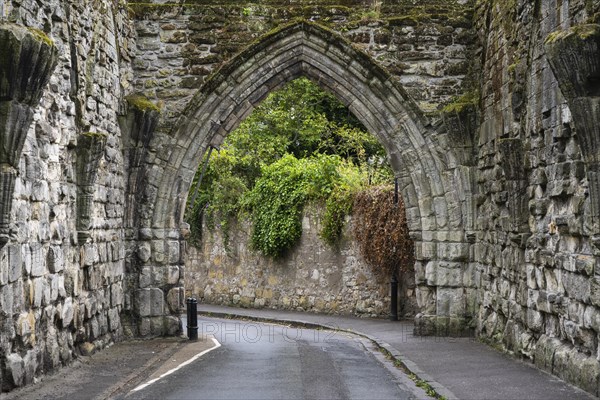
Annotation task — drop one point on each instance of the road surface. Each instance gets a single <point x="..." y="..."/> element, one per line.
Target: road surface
<point x="264" y="361"/>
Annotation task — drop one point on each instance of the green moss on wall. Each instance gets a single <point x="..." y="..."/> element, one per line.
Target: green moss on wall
<point x="141" y="103"/>
<point x="40" y="36"/>
<point x="467" y="100"/>
<point x="583" y="32"/>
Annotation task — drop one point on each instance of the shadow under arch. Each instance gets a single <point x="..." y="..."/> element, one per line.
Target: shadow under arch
<point x="430" y="184"/>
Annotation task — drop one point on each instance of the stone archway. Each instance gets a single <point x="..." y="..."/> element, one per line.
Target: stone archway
<point x="436" y="190"/>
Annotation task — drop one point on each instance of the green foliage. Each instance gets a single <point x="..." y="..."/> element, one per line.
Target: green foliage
<point x="300" y="144"/>
<point x="279" y="195"/>
<point x="339" y="204"/>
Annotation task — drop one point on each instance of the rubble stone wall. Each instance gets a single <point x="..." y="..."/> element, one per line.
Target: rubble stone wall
<point x="313" y="276"/>
<point x="536" y="249"/>
<point x="62" y="267"/>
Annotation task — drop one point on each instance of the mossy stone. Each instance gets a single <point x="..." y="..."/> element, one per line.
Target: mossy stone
<point x="141" y="103"/>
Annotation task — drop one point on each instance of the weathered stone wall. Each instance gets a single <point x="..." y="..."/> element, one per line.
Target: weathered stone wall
<point x="423" y="44"/>
<point x="313" y="277"/>
<point x="536" y="250"/>
<point x="62" y="268"/>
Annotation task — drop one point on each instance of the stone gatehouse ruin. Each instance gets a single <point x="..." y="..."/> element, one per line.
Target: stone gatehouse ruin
<point x="489" y="112"/>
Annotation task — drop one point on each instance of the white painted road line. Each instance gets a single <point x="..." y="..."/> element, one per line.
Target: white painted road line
<point x="183" y="364"/>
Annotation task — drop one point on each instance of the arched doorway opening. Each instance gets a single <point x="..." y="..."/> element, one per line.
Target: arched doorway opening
<point x="296" y="211"/>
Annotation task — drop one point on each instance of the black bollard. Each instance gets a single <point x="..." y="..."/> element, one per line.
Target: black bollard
<point x="394" y="298"/>
<point x="192" y="318"/>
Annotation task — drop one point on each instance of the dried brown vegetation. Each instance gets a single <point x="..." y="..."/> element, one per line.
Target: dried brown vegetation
<point x="382" y="233"/>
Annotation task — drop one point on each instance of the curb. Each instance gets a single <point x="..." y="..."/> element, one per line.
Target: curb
<point x="397" y="357"/>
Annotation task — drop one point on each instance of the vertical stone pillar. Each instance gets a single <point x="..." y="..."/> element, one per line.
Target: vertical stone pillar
<point x="446" y="291"/>
<point x="27" y="62"/>
<point x="574" y="56"/>
<point x="159" y="297"/>
<point x="154" y="268"/>
<point x="90" y="148"/>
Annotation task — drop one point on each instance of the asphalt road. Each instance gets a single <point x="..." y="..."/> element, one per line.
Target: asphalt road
<point x="263" y="361"/>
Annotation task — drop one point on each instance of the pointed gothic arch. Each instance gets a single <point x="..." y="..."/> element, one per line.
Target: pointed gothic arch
<point x="434" y="188"/>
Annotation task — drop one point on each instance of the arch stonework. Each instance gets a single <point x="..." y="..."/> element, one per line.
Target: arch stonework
<point x="435" y="189"/>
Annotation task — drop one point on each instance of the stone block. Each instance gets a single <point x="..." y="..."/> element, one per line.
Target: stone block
<point x="114" y="322"/>
<point x="38" y="261"/>
<point x="449" y="274"/>
<point x="472" y="302"/>
<point x="426" y="299"/>
<point x="52" y="348"/>
<point x="172" y="325"/>
<point x="25" y="328"/>
<point x="67" y="312"/>
<point x="36" y="291"/>
<point x="55" y="259"/>
<point x="18" y="297"/>
<point x="144" y="252"/>
<point x="145" y="327"/>
<point x="453" y="251"/>
<point x="26" y="257"/>
<point x="116" y="294"/>
<point x="3" y="266"/>
<point x="577" y="286"/>
<point x="595" y="291"/>
<point x="175" y="299"/>
<point x="172" y="275"/>
<point x="93" y="328"/>
<point x="419" y="273"/>
<point x="425" y="251"/>
<point x="576" y="368"/>
<point x="146" y="278"/>
<point x="15" y="262"/>
<point x="102" y="323"/>
<point x="159" y="254"/>
<point x="544" y="352"/>
<point x="431" y="270"/>
<point x="531" y="277"/>
<point x="6" y="299"/>
<point x="30" y="365"/>
<point x="585" y="264"/>
<point x="89" y="255"/>
<point x="173" y="247"/>
<point x="450" y="302"/>
<point x="94" y="277"/>
<point x="591" y="318"/>
<point x="15" y="369"/>
<point x="470" y="275"/>
<point x="150" y="302"/>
